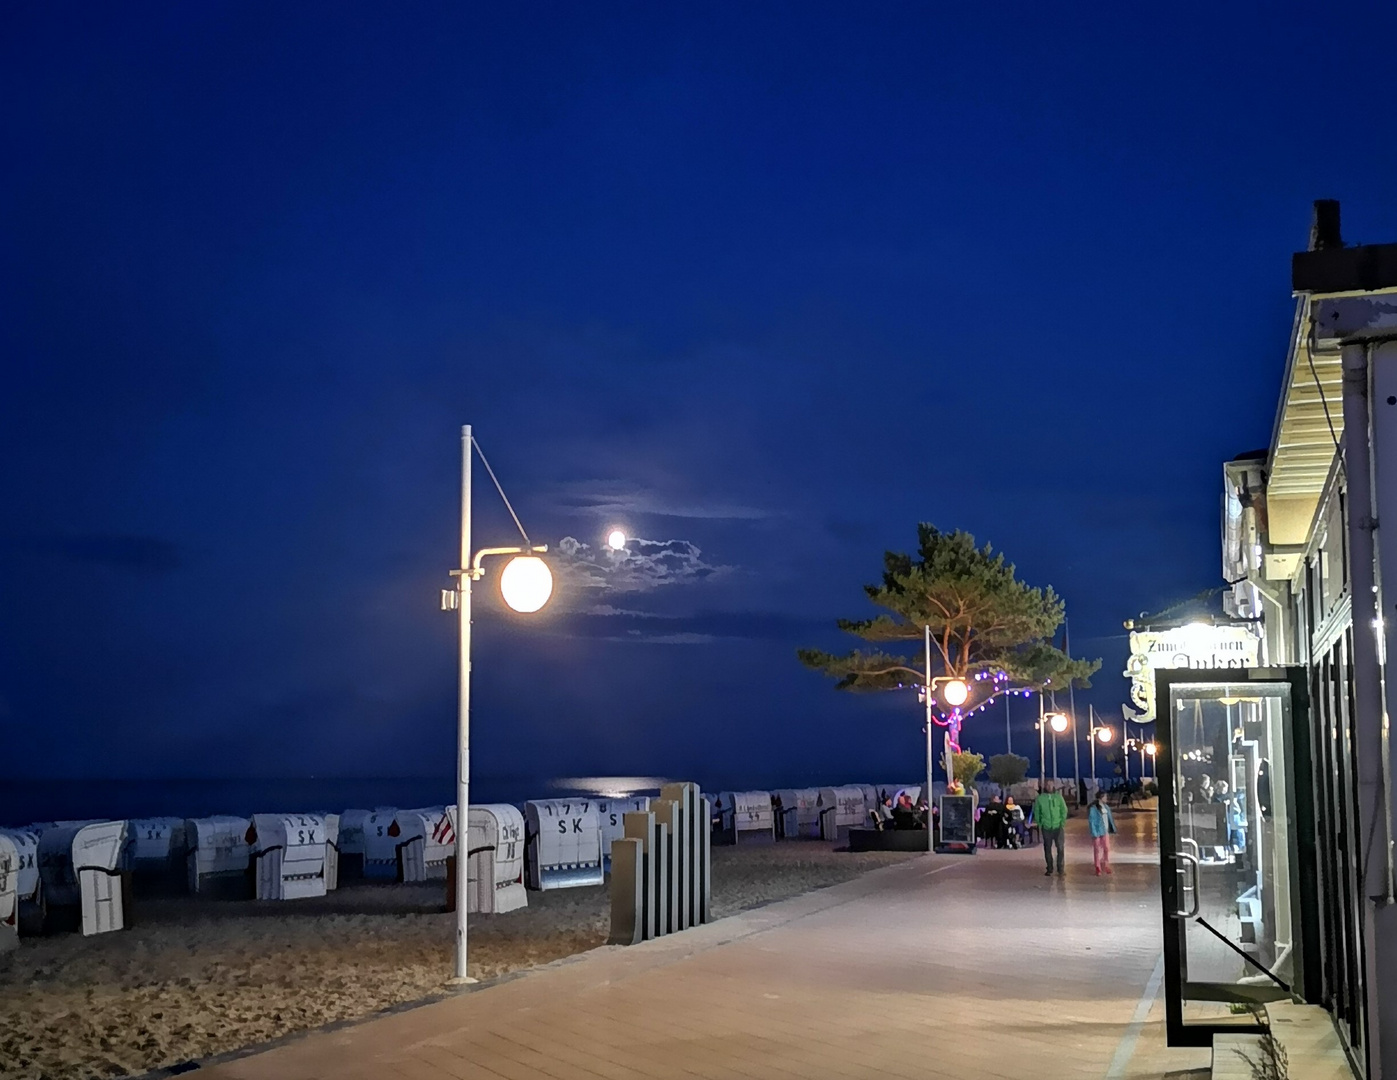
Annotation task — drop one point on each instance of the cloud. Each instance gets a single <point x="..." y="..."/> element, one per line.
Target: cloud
<point x="640" y="566"/>
<point x="613" y="500"/>
<point x="609" y="611"/>
<point x="140" y="554"/>
<point x="636" y="637"/>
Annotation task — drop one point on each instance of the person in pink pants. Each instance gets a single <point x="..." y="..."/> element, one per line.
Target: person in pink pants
<point x="1102" y="823"/>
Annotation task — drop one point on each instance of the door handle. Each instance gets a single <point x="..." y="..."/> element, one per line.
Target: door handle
<point x="1191" y="868"/>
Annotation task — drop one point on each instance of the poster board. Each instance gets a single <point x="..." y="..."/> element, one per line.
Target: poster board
<point x="957" y="823"/>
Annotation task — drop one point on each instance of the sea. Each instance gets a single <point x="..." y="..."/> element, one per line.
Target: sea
<point x="28" y="800"/>
<point x="25" y="801"/>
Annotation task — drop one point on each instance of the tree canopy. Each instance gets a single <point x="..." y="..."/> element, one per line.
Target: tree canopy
<point x="983" y="621"/>
<point x="1006" y="770"/>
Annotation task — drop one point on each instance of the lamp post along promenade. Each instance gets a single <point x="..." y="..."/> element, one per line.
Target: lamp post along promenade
<point x="525" y="584"/>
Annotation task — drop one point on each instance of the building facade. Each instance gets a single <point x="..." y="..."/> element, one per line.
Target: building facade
<point x="1310" y="566"/>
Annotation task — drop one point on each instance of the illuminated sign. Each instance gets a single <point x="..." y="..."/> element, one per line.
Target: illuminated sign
<point x="1197" y="646"/>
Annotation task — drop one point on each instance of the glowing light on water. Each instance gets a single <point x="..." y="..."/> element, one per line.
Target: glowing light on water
<point x="610" y="787"/>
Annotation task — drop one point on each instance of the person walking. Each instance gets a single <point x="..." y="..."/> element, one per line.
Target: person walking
<point x="1050" y="815"/>
<point x="1102" y="824"/>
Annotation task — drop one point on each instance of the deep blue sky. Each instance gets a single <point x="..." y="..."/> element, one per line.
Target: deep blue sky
<point x="776" y="281"/>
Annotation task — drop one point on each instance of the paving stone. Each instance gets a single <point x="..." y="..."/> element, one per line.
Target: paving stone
<point x="944" y="967"/>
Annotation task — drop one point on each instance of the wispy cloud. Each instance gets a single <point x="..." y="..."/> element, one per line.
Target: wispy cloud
<point x="611" y="499"/>
<point x="640" y="566"/>
<point x="610" y="611"/>
<point x="635" y="637"/>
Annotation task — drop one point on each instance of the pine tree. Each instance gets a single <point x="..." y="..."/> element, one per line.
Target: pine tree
<point x="987" y="627"/>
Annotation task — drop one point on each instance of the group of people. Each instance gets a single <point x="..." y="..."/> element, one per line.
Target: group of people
<point x="1233" y="803"/>
<point x="902" y="812"/>
<point x="1004" y="823"/>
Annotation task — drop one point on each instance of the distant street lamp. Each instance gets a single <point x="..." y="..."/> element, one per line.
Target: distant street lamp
<point x="1058" y="722"/>
<point x="1097" y="733"/>
<point x="525" y="585"/>
<point x="1145" y="746"/>
<point x="955" y="692"/>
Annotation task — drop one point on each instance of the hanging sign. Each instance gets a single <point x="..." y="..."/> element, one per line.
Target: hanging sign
<point x="1197" y="646"/>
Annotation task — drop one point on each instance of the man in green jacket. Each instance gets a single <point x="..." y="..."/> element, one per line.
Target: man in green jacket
<point x="1050" y="815"/>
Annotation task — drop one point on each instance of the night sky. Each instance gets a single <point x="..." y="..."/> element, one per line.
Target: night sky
<point x="765" y="285"/>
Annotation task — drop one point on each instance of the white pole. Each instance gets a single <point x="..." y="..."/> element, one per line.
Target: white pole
<point x="1091" y="738"/>
<point x="463" y="711"/>
<point x="930" y="746"/>
<point x="1008" y="727"/>
<point x="1072" y="705"/>
<point x="1042" y="744"/>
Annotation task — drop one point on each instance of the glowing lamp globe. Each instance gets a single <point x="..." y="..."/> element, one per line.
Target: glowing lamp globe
<point x="526" y="583"/>
<point x="955" y="692"/>
<point x="1058" y="722"/>
<point x="1104" y="734"/>
<point x="615" y="539"/>
<point x="1150" y="748"/>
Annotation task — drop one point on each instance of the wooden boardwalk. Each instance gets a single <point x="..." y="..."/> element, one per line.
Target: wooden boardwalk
<point x="944" y="967"/>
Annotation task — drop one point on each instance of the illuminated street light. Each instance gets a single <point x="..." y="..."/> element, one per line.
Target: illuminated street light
<point x="955" y="692"/>
<point x="1151" y="749"/>
<point x="616" y="539"/>
<point x="1104" y="735"/>
<point x="526" y="583"/>
<point x="1058" y="722"/>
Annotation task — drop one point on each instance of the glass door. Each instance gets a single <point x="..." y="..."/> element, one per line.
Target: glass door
<point x="1237" y="845"/>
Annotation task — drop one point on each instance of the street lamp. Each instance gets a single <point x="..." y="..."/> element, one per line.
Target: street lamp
<point x="525" y="585"/>
<point x="1097" y="733"/>
<point x="1145" y="746"/>
<point x="955" y="692"/>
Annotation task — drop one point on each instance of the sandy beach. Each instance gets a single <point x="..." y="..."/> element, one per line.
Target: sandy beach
<point x="192" y="979"/>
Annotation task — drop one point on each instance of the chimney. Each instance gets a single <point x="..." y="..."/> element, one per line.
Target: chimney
<point x="1324" y="229"/>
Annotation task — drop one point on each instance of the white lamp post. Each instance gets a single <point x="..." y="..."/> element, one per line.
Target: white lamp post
<point x="1058" y="723"/>
<point x="1097" y="733"/>
<point x="525" y="585"/>
<point x="955" y="693"/>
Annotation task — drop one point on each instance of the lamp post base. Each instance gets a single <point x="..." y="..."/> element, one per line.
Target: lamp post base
<point x="461" y="980"/>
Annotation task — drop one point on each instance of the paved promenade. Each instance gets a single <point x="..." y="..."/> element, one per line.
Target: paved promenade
<point x="944" y="967"/>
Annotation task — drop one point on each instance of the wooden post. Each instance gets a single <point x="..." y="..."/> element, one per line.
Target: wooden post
<point x="627" y="893"/>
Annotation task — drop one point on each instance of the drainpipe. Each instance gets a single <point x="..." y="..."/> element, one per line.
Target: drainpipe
<point x="1370" y="691"/>
<point x="1371" y="738"/>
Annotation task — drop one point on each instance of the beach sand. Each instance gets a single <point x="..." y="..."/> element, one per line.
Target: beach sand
<point x="192" y="979"/>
